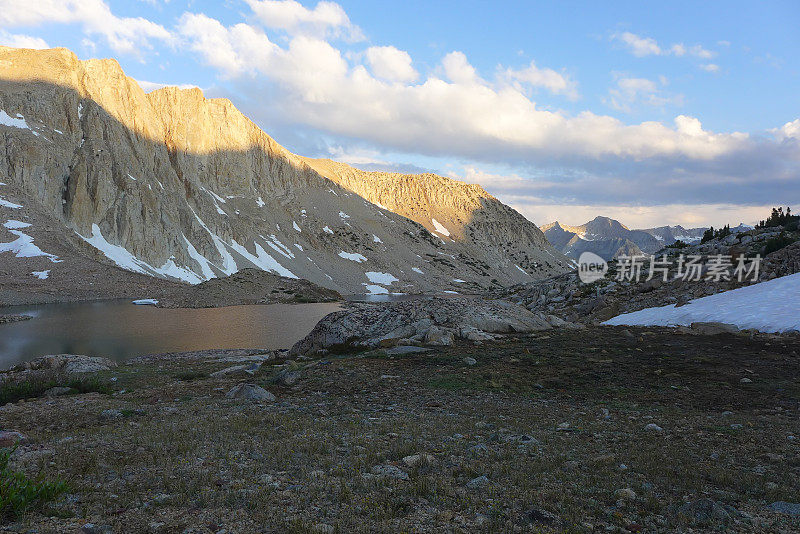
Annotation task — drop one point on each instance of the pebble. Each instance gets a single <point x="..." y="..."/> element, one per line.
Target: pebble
<point x="470" y="361"/>
<point x="745" y="381"/>
<point x="652" y="427"/>
<point x="478" y="482"/>
<point x="389" y="471"/>
<point x="250" y="392"/>
<point x="626" y="494"/>
<point x="110" y="415"/>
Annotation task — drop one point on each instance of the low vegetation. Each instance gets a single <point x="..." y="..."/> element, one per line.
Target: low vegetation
<point x="601" y="429"/>
<point x="18" y="493"/>
<point x="37" y="385"/>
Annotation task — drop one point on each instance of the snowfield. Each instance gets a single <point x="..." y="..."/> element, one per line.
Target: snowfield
<point x="381" y="278"/>
<point x="440" y="228"/>
<point x="772" y="306"/>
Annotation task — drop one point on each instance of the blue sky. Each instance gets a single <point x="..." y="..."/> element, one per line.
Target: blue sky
<point x="680" y="112"/>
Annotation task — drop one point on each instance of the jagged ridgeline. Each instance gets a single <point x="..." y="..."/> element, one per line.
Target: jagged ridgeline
<point x="172" y="184"/>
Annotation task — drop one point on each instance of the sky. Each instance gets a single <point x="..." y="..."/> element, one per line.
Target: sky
<point x="652" y="113"/>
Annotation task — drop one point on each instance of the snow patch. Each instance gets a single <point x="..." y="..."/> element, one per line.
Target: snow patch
<point x="352" y="256"/>
<point x="376" y="239"/>
<point x="523" y="271"/>
<point x="417" y="270"/>
<point x="343" y="215"/>
<point x="458" y="280"/>
<point x="131" y="177"/>
<point x="41" y="275"/>
<point x="294" y="225"/>
<point x="263" y="260"/>
<point x="278" y="247"/>
<point x="205" y="265"/>
<point x="19" y="122"/>
<point x="376" y="290"/>
<point x="439" y="228"/>
<point x="23" y="247"/>
<point x="260" y="203"/>
<point x="145" y="302"/>
<point x="327" y="230"/>
<point x="381" y="278"/>
<point x="772" y="306"/>
<point x="123" y="258"/>
<point x="15" y="225"/>
<point x="6" y="204"/>
<point x="299" y="247"/>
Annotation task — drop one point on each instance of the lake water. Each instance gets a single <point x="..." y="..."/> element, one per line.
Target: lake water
<point x="122" y="330"/>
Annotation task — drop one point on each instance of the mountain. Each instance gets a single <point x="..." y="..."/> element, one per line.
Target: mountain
<point x="667" y="235"/>
<point x="605" y="237"/>
<point x="173" y="185"/>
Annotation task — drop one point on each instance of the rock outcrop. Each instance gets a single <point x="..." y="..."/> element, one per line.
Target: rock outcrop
<point x="432" y="321"/>
<point x="174" y="185"/>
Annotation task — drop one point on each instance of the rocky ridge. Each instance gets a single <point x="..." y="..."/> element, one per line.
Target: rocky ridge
<point x="174" y="185"/>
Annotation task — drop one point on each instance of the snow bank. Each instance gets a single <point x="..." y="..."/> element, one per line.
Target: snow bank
<point x="11" y="224"/>
<point x="381" y="278"/>
<point x="440" y="228"/>
<point x="352" y="256"/>
<point x="772" y="306"/>
<point x="23" y="247"/>
<point x="6" y="204"/>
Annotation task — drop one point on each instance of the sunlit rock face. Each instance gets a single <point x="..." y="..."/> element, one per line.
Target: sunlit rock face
<point x="175" y="185"/>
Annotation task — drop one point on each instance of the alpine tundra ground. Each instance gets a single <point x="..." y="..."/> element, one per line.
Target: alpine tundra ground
<point x="594" y="430"/>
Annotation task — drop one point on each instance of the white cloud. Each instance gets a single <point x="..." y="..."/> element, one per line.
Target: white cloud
<point x="391" y="64"/>
<point x="152" y="86"/>
<point x="233" y="51"/>
<point x="551" y="80"/>
<point x="641" y="46"/>
<point x="629" y="92"/>
<point x="710" y="67"/>
<point x="462" y="114"/>
<point x="326" y="19"/>
<point x="125" y="35"/>
<point x="21" y="41"/>
<point x="790" y="130"/>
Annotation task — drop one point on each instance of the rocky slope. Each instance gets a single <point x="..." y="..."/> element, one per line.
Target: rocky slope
<point x="568" y="298"/>
<point x="174" y="185"/>
<point x="667" y="235"/>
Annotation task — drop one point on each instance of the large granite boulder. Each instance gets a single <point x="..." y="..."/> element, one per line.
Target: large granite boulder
<point x="433" y="320"/>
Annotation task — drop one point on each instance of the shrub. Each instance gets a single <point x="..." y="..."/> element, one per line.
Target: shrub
<point x="776" y="243"/>
<point x="18" y="492"/>
<point x="35" y="386"/>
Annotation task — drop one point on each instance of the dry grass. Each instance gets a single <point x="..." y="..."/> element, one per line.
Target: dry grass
<point x="182" y="456"/>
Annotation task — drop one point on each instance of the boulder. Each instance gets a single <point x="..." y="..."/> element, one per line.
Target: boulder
<point x="69" y="364"/>
<point x="250" y="392"/>
<point x="433" y="320"/>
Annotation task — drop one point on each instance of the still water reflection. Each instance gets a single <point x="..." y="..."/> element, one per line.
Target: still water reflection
<point x="121" y="330"/>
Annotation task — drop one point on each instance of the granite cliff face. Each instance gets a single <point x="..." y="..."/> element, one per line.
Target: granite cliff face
<point x="175" y="185"/>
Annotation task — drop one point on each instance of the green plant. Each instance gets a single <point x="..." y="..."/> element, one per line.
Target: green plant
<point x="18" y="492"/>
<point x="36" y="386"/>
<point x="779" y="218"/>
<point x="776" y="243"/>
